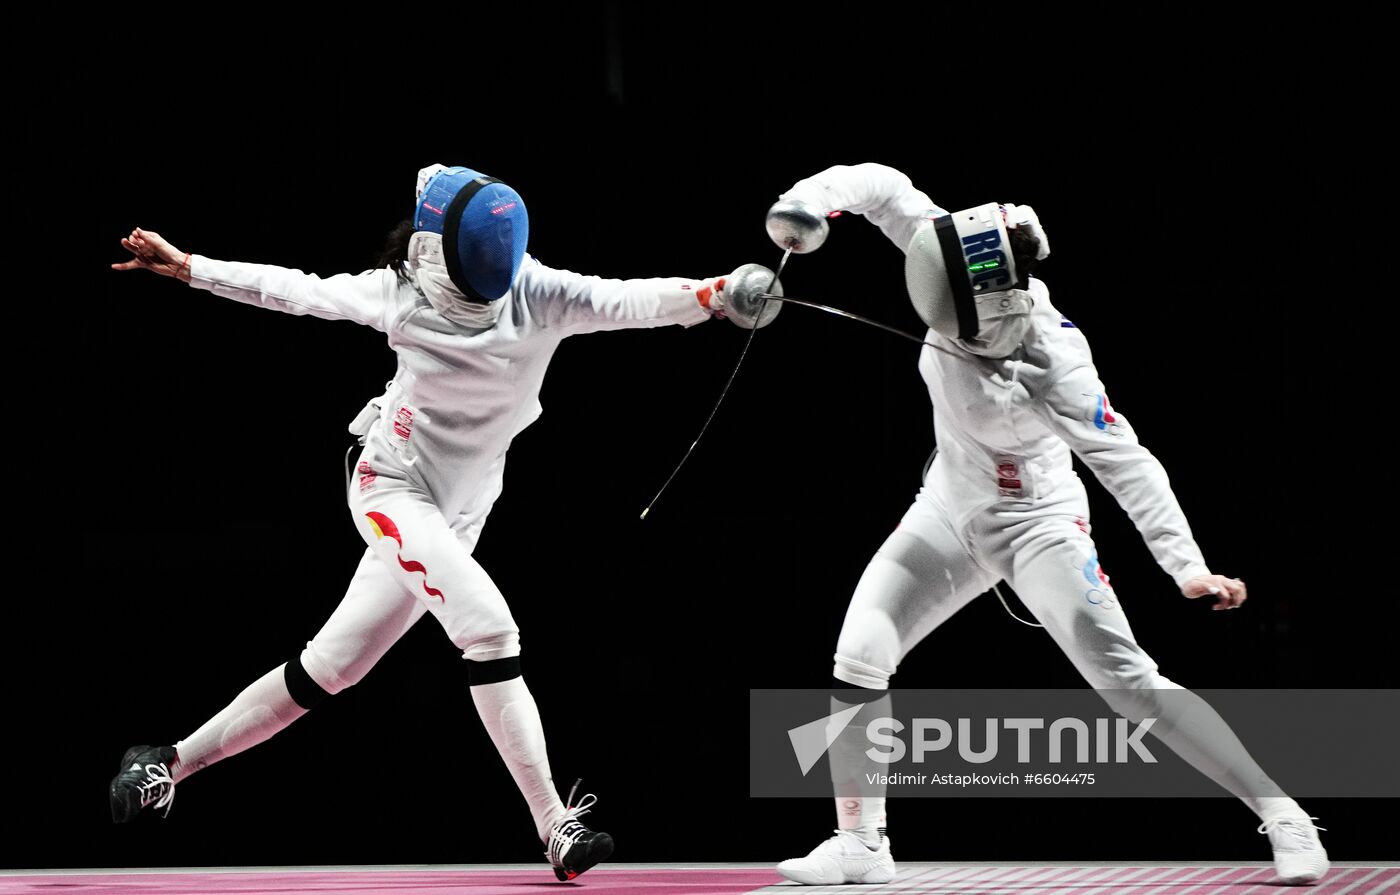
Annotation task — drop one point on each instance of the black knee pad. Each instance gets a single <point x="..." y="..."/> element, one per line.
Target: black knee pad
<point x="492" y="671"/>
<point x="851" y="694"/>
<point x="305" y="692"/>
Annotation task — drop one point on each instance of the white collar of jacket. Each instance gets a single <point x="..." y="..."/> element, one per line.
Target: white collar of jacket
<point x="430" y="273"/>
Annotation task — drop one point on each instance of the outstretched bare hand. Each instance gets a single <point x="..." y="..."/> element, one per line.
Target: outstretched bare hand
<point x="153" y="253"/>
<point x="1228" y="592"/>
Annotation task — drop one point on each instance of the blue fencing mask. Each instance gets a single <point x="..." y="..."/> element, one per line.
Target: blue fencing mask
<point x="483" y="225"/>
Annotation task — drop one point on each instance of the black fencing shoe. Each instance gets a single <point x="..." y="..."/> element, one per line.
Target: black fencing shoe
<point x="144" y="780"/>
<point x="573" y="848"/>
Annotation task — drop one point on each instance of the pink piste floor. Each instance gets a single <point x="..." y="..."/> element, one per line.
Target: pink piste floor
<point x="709" y="879"/>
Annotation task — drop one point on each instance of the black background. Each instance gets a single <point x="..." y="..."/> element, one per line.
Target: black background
<point x="179" y="457"/>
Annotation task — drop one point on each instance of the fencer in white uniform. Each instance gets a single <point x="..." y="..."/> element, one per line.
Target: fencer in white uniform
<point x="474" y="322"/>
<point x="1015" y="394"/>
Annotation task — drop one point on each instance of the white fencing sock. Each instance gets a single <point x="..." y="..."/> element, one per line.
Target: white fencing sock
<point x="513" y="721"/>
<point x="264" y="708"/>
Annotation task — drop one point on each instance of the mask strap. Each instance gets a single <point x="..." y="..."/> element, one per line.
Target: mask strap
<point x="451" y="224"/>
<point x="963" y="302"/>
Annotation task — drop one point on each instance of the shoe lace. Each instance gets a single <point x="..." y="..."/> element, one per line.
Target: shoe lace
<point x="1293" y="831"/>
<point x="159" y="787"/>
<point x="567" y="829"/>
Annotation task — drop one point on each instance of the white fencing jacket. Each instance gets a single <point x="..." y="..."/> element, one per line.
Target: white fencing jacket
<point x="460" y="394"/>
<point x="1006" y="427"/>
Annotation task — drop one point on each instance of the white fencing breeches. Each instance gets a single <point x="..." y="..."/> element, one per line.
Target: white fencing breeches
<point x="417" y="562"/>
<point x="935" y="563"/>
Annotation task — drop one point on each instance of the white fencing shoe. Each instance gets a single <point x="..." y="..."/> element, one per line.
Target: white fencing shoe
<point x="1299" y="856"/>
<point x="842" y="860"/>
